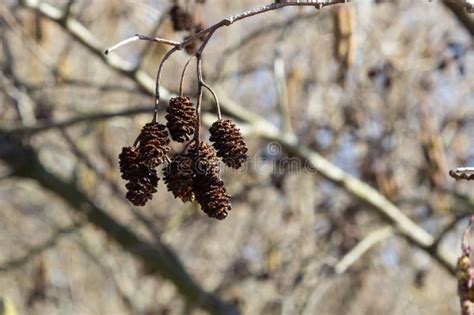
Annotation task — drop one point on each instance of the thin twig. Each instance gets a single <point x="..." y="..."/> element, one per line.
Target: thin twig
<point x="199" y="100"/>
<point x="218" y="105"/>
<point x="38" y="249"/>
<point x="183" y="75"/>
<point x="362" y="247"/>
<point x="201" y="84"/>
<point x="158" y="78"/>
<point x="466" y="173"/>
<point x="154" y="30"/>
<point x="136" y="37"/>
<point x="101" y="175"/>
<point x="466" y="241"/>
<point x="42" y="126"/>
<point x="208" y="32"/>
<point x="91" y="252"/>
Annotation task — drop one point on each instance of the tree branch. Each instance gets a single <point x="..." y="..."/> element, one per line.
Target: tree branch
<point x="208" y="32"/>
<point x="38" y="249"/>
<point x="460" y="11"/>
<point x="43" y="126"/>
<point x="361" y="248"/>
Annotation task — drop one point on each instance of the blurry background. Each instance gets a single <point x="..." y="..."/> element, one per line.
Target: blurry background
<point x="381" y="89"/>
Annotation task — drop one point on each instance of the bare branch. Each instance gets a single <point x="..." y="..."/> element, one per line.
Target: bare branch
<point x="154" y="30"/>
<point x="38" y="249"/>
<point x="466" y="173"/>
<point x="101" y="175"/>
<point x="466" y="243"/>
<point x="361" y="248"/>
<point x="214" y="95"/>
<point x="183" y="76"/>
<point x="199" y="101"/>
<point x="48" y="125"/>
<point x="461" y="10"/>
<point x="158" y="78"/>
<point x="208" y="32"/>
<point x="136" y="37"/>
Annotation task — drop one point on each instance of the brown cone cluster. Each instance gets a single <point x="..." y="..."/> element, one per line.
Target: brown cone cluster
<point x="137" y="164"/>
<point x="181" y="118"/>
<point x="208" y="187"/>
<point x="228" y="142"/>
<point x="191" y="175"/>
<point x="181" y="19"/>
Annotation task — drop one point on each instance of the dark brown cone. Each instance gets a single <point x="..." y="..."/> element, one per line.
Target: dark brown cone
<point x="211" y="194"/>
<point x="178" y="177"/>
<point x="208" y="187"/>
<point x="128" y="159"/>
<point x="204" y="159"/>
<point x="228" y="142"/>
<point x="181" y="118"/>
<point x="142" y="180"/>
<point x="181" y="19"/>
<point x="154" y="144"/>
<point x="142" y="189"/>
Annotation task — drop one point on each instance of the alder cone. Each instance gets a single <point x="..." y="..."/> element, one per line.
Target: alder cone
<point x="154" y="144"/>
<point x="178" y="177"/>
<point x="143" y="187"/>
<point x="181" y="19"/>
<point x="229" y="143"/>
<point x="204" y="159"/>
<point x="181" y="118"/>
<point x="208" y="187"/>
<point x="142" y="180"/>
<point x="128" y="159"/>
<point x="211" y="195"/>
